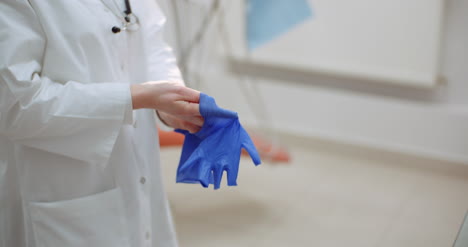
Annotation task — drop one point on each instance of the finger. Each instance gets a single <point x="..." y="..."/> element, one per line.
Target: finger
<point x="188" y="94"/>
<point x="173" y="120"/>
<point x="197" y="120"/>
<point x="185" y="108"/>
<point x="193" y="129"/>
<point x="190" y="127"/>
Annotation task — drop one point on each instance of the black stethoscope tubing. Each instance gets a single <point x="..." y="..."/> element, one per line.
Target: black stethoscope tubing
<point x="128" y="10"/>
<point x="128" y="17"/>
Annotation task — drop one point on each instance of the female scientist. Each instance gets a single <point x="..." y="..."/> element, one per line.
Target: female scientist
<point x="79" y="164"/>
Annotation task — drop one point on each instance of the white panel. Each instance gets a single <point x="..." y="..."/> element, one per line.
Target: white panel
<point x="386" y="40"/>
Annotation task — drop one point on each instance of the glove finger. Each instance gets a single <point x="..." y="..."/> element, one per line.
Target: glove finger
<point x="218" y="175"/>
<point x="205" y="174"/>
<point x="232" y="176"/>
<point x="211" y="178"/>
<point x="249" y="146"/>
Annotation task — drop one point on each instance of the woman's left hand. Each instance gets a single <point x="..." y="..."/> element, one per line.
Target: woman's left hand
<point x="191" y="124"/>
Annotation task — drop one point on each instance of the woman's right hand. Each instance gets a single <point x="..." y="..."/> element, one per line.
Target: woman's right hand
<point x="170" y="97"/>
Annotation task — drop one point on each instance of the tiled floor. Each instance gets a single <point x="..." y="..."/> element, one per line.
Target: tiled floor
<point x="330" y="196"/>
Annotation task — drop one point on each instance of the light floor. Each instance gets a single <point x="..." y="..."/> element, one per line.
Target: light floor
<point x="330" y="196"/>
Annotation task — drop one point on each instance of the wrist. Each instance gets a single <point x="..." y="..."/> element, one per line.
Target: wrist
<point x="139" y="96"/>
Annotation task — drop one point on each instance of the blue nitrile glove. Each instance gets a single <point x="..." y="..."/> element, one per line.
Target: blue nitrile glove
<point x="215" y="148"/>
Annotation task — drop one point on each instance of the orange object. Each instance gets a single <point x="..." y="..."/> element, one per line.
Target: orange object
<point x="170" y="138"/>
<point x="267" y="150"/>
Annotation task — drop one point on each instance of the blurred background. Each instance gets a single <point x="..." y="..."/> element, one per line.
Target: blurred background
<point x="359" y="109"/>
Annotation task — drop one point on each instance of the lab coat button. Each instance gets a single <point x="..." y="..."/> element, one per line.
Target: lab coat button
<point x="142" y="180"/>
<point x="147" y="235"/>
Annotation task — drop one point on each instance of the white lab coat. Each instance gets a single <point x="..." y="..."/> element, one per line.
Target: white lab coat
<point x="78" y="167"/>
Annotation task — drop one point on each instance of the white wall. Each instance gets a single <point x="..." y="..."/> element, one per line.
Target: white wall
<point x="360" y="39"/>
<point x="432" y="122"/>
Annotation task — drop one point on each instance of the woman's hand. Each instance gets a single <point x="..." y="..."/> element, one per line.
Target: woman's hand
<point x="170" y="97"/>
<point x="191" y="124"/>
<point x="177" y="105"/>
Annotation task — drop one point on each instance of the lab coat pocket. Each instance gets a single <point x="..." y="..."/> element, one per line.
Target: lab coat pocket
<point x="92" y="221"/>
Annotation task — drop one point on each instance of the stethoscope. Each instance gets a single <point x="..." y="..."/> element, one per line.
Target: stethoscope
<point x="130" y="21"/>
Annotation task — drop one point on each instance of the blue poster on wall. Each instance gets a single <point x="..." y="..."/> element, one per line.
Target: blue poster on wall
<point x="268" y="19"/>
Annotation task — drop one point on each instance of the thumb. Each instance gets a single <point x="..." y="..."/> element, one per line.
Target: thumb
<point x="249" y="146"/>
